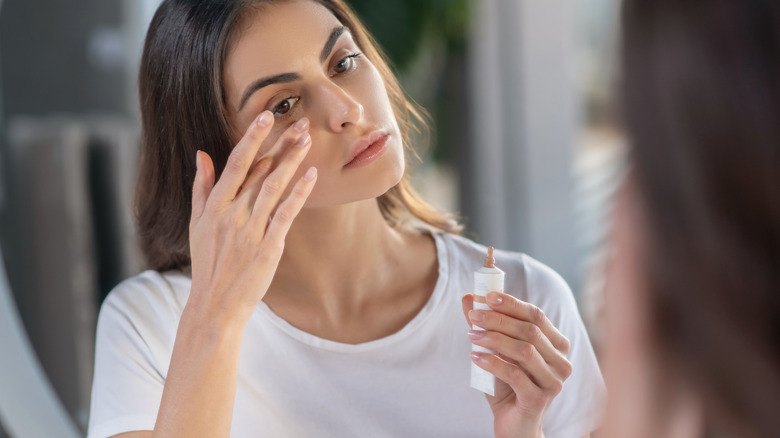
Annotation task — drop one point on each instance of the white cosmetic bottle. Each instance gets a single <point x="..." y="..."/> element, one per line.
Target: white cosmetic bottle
<point x="486" y="279"/>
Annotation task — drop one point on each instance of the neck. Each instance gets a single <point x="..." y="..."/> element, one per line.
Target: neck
<point x="338" y="258"/>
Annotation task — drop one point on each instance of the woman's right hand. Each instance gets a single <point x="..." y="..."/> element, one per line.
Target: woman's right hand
<point x="239" y="224"/>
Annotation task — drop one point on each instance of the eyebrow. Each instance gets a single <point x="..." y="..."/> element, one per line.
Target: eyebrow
<point x="291" y="77"/>
<point x="260" y="83"/>
<point x="334" y="36"/>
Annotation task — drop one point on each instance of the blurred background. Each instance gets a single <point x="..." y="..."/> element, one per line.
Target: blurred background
<point x="523" y="146"/>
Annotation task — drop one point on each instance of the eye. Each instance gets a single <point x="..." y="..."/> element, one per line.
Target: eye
<point x="285" y="106"/>
<point x="346" y="64"/>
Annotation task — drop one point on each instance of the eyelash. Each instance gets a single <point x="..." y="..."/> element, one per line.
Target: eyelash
<point x="351" y="57"/>
<point x="276" y="107"/>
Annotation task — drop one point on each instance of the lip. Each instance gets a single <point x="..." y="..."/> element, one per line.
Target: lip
<point x="368" y="149"/>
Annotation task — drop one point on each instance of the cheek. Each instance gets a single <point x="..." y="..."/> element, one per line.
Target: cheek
<point x="398" y="165"/>
<point x="374" y="94"/>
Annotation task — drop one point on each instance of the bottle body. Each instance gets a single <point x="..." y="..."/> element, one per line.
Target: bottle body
<point x="485" y="280"/>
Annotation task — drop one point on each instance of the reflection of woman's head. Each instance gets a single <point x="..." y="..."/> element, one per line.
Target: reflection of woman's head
<point x="199" y="60"/>
<point x="702" y="104"/>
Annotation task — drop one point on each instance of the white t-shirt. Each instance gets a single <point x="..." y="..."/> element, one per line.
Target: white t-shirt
<point x="413" y="383"/>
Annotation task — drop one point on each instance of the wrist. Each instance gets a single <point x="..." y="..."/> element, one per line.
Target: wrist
<point x="526" y="430"/>
<point x="216" y="307"/>
<point x="209" y="325"/>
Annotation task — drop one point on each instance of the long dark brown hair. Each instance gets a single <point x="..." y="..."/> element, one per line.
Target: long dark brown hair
<point x="182" y="109"/>
<point x="701" y="99"/>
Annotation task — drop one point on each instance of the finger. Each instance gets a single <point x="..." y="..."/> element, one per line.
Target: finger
<point x="527" y="392"/>
<point x="288" y="137"/>
<point x="522" y="331"/>
<point x="275" y="154"/>
<point x="524" y="354"/>
<point x="277" y="181"/>
<point x="202" y="186"/>
<point x="257" y="173"/>
<point x="509" y="305"/>
<point x="241" y="158"/>
<point x="288" y="210"/>
<point x="468" y="303"/>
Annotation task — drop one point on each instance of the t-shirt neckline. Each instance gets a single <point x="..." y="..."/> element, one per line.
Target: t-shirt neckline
<point x="430" y="307"/>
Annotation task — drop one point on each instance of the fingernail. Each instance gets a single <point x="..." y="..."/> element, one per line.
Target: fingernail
<point x="301" y="125"/>
<point x="476" y="315"/>
<point x="310" y="174"/>
<point x="303" y="140"/>
<point x="476" y="355"/>
<point x="197" y="161"/>
<point x="476" y="334"/>
<point x="495" y="298"/>
<point x="264" y="119"/>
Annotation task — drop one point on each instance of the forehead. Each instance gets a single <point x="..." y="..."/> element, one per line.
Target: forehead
<point x="277" y="38"/>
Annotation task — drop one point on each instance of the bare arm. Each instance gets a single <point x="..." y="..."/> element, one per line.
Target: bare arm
<point x="201" y="385"/>
<point x="232" y="229"/>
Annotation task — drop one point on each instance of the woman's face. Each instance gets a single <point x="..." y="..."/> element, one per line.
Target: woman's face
<point x="296" y="59"/>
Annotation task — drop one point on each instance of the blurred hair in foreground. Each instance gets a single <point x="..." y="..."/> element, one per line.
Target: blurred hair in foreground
<point x="701" y="99"/>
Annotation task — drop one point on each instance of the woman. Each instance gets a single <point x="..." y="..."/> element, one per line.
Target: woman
<point x="693" y="311"/>
<point x="344" y="322"/>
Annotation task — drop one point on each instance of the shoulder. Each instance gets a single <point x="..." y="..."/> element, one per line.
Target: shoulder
<point x="136" y="331"/>
<point x="138" y="322"/>
<point x="147" y="297"/>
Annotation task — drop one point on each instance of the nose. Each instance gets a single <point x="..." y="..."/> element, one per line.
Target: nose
<point x="340" y="108"/>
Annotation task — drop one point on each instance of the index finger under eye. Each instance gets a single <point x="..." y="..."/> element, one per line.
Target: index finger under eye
<point x="242" y="157"/>
<point x="274" y="146"/>
<point x="509" y="305"/>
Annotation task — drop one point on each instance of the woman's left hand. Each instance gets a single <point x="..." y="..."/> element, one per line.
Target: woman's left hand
<point x="530" y="363"/>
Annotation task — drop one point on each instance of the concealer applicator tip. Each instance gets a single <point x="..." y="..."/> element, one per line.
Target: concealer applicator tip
<point x="490" y="262"/>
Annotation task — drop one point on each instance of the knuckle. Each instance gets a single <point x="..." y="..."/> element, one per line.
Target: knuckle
<point x="233" y="219"/>
<point x="299" y="191"/>
<point x="533" y="333"/>
<point x="235" y="163"/>
<point x="499" y="319"/>
<point x="527" y="352"/>
<point x="539" y="401"/>
<point x="265" y="257"/>
<point x="284" y="215"/>
<point x="264" y="165"/>
<point x="273" y="249"/>
<point x="245" y="235"/>
<point x="537" y="315"/>
<point x="272" y="186"/>
<point x="556" y="387"/>
<point x="517" y="305"/>
<point x="516" y="375"/>
<point x="566" y="369"/>
<point x="213" y="209"/>
<point x="565" y="345"/>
